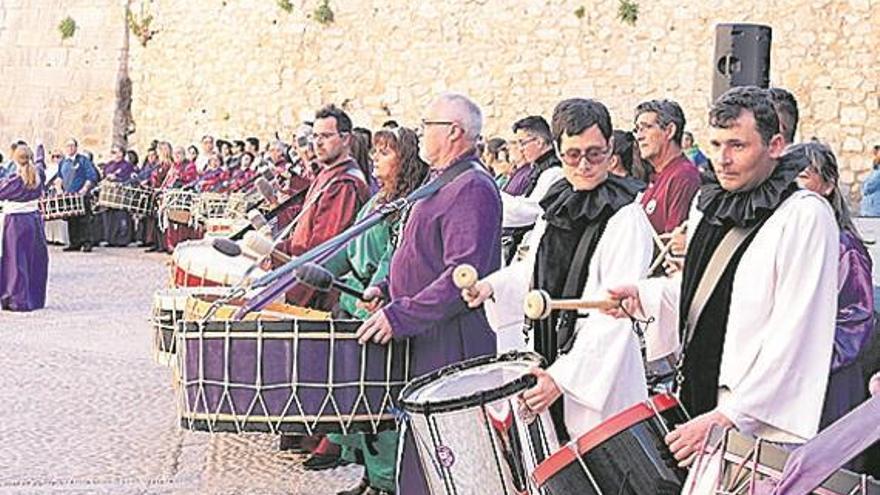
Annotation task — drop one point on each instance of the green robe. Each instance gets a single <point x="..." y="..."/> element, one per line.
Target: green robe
<point x="363" y="263"/>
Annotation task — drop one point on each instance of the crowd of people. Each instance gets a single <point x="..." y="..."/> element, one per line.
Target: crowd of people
<point x="734" y="252"/>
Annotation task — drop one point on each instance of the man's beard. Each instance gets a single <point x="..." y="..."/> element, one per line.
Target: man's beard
<point x="331" y="159"/>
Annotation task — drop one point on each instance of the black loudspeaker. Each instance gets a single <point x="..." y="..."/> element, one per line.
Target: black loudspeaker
<point x="742" y="57"/>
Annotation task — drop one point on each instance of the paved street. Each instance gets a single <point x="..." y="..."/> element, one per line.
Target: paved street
<point x="86" y="410"/>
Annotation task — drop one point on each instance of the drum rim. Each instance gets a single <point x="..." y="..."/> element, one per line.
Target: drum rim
<point x="474" y="399"/>
<point x="606" y="430"/>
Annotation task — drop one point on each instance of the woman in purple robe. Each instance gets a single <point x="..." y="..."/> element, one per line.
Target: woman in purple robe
<point x="24" y="259"/>
<point x="118" y="228"/>
<point x="855" y="299"/>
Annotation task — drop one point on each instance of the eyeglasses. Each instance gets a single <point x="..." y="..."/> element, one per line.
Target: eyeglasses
<point x="425" y="123"/>
<point x="522" y="143"/>
<point x="573" y="156"/>
<point x="323" y="136"/>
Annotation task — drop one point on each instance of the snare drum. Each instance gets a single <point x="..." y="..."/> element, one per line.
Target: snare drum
<point x="198" y="264"/>
<point x="625" y="455"/>
<point x="63" y="206"/>
<point x="178" y="205"/>
<point x="297" y="376"/>
<point x="473" y="434"/>
<point x="135" y="200"/>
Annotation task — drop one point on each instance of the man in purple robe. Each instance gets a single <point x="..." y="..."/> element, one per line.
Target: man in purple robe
<point x="24" y="259"/>
<point x="461" y="223"/>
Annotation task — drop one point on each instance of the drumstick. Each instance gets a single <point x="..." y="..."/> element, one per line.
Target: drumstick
<point x="232" y="249"/>
<point x="538" y="305"/>
<point x="464" y="277"/>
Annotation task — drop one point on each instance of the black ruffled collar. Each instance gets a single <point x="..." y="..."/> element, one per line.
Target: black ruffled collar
<point x="565" y="208"/>
<point x="721" y="207"/>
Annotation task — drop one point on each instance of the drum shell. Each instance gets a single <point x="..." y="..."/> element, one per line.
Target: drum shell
<point x="286" y="376"/>
<point x="135" y="200"/>
<point x="620" y="452"/>
<point x="487" y="446"/>
<point x="197" y="264"/>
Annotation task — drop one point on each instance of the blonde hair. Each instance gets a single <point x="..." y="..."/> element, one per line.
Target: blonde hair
<point x="26" y="168"/>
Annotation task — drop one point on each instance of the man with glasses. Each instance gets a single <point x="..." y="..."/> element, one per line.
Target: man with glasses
<point x="460" y="223"/>
<point x="659" y="126"/>
<point x="333" y="199"/>
<point x="590" y="236"/>
<point x="539" y="170"/>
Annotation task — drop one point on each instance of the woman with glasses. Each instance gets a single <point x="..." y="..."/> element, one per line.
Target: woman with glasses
<point x="591" y="236"/>
<point x="364" y="263"/>
<point x="854" y="324"/>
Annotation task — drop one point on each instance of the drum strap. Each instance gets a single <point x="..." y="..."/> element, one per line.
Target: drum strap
<point x="714" y="270"/>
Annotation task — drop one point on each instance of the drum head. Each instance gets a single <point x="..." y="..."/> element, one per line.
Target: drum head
<point x="470" y="383"/>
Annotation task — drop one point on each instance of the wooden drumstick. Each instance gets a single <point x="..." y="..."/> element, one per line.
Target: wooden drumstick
<point x="465" y="276"/>
<point x="538" y="305"/>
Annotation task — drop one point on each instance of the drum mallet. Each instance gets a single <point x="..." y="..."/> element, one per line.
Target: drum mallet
<point x="538" y="305"/>
<point x="318" y="277"/>
<point x="255" y="246"/>
<point x="465" y="276"/>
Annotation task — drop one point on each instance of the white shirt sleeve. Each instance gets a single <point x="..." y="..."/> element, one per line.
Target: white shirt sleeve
<point x="523" y="211"/>
<point x="604" y="371"/>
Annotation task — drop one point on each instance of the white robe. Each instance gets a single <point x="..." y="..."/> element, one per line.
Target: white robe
<point x="603" y="373"/>
<point x="780" y="332"/>
<point x="522" y="211"/>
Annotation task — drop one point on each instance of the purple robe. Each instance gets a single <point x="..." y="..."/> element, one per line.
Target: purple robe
<point x="123" y="170"/>
<point x="24" y="264"/>
<point x="853" y="329"/>
<point x="519" y="181"/>
<point x="461" y="223"/>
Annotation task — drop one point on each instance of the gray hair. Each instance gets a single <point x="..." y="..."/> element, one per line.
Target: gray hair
<point x="465" y="112"/>
<point x="668" y="112"/>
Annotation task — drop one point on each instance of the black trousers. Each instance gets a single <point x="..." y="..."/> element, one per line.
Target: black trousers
<point x="81" y="229"/>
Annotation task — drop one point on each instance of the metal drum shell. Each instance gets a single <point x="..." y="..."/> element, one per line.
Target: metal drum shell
<point x="479" y="442"/>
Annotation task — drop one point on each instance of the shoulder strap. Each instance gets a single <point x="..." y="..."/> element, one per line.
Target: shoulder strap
<point x="717" y="264"/>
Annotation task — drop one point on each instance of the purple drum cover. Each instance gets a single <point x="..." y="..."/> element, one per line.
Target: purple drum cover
<point x="290" y="378"/>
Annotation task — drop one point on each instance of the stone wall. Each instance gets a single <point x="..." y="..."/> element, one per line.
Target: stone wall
<point x="52" y="88"/>
<point x="242" y="67"/>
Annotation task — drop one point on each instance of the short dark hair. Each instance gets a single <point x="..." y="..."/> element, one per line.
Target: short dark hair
<point x="390" y="124"/>
<point x="729" y="106"/>
<point x="238" y="143"/>
<point x="496" y="147"/>
<point x="536" y="125"/>
<point x="253" y="142"/>
<point x="343" y="122"/>
<point x="132" y="157"/>
<point x="575" y="115"/>
<point x="786" y="110"/>
<point x="668" y="112"/>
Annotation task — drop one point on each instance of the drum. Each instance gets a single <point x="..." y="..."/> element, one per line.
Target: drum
<point x="135" y="200"/>
<point x="210" y="206"/>
<point x="168" y="311"/>
<point x="202" y="305"/>
<point x="296" y="376"/>
<point x="62" y="206"/>
<point x="223" y="227"/>
<point x="197" y="264"/>
<point x="735" y="464"/>
<point x="625" y="455"/>
<point x="473" y="434"/>
<point x="178" y="205"/>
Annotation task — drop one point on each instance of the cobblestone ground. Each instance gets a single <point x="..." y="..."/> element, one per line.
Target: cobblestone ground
<point x="86" y="410"/>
